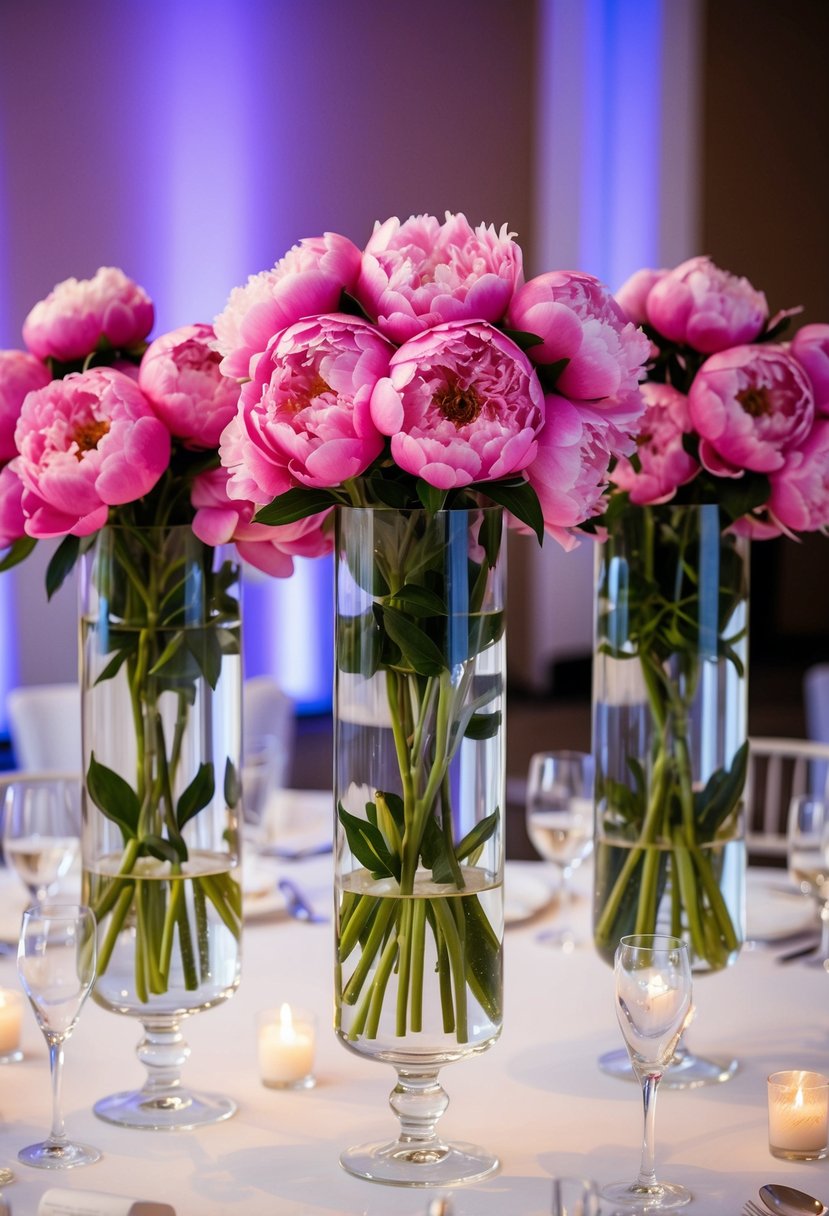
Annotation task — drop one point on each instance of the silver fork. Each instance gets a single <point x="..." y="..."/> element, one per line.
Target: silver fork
<point x="753" y="1209"/>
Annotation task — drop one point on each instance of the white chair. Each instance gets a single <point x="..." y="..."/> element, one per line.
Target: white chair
<point x="268" y="715"/>
<point x="45" y="727"/>
<point x="777" y="770"/>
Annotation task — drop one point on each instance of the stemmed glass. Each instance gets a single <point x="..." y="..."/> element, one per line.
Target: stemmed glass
<point x="40" y="831"/>
<point x="653" y="1006"/>
<point x="808" y="858"/>
<point x="560" y="824"/>
<point x="56" y="959"/>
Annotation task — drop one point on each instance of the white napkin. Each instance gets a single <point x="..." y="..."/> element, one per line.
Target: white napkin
<point x="58" y="1202"/>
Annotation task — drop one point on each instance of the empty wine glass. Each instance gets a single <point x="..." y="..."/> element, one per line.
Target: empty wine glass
<point x="56" y="958"/>
<point x="41" y="831"/>
<point x="560" y="824"/>
<point x="808" y="857"/>
<point x="653" y="1005"/>
<point x="575" y="1197"/>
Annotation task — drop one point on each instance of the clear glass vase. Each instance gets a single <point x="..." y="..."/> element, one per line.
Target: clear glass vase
<point x="419" y="785"/>
<point x="670" y="743"/>
<point x="161" y="689"/>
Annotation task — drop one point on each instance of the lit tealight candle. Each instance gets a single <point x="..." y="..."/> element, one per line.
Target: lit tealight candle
<point x="798" y="1115"/>
<point x="286" y="1048"/>
<point x="11" y="1016"/>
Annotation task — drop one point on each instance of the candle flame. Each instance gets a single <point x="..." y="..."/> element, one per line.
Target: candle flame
<point x="798" y="1098"/>
<point x="286" y="1021"/>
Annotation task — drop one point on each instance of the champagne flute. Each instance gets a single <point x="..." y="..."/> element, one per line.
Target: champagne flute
<point x="560" y="824"/>
<point x="653" y="1006"/>
<point x="807" y="840"/>
<point x="41" y="831"/>
<point x="56" y="962"/>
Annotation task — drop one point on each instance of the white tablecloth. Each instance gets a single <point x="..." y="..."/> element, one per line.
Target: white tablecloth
<point x="537" y="1098"/>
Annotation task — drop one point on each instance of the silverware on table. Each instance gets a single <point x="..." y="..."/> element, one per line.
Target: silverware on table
<point x="790" y="956"/>
<point x="750" y="1208"/>
<point x="287" y="853"/>
<point x="787" y="1201"/>
<point x="298" y="904"/>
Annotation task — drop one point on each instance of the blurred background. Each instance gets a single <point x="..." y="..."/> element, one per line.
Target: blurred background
<point x="192" y="142"/>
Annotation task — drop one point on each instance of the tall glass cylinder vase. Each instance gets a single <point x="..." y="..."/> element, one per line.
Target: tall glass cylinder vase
<point x="670" y="742"/>
<point x="419" y="787"/>
<point x="161" y="687"/>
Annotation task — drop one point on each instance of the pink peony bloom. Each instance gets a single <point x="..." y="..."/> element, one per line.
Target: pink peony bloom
<point x="219" y="520"/>
<point x="462" y="404"/>
<point x="308" y="280"/>
<point x="632" y="296"/>
<point x="799" y="498"/>
<point x="20" y="373"/>
<point x="304" y="419"/>
<point x="423" y="273"/>
<point x="180" y="375"/>
<point x="810" y="346"/>
<point x="569" y="472"/>
<point x="708" y="309"/>
<point x="579" y="320"/>
<point x="12" y="519"/>
<point x="664" y="463"/>
<point x="87" y="442"/>
<point x="81" y="315"/>
<point x="750" y="405"/>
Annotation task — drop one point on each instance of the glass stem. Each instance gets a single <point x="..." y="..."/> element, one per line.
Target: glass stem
<point x="824" y="931"/>
<point x="58" y="1133"/>
<point x="566" y="896"/>
<point x="647" y="1174"/>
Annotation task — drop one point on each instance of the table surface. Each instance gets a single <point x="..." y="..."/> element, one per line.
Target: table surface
<point x="537" y="1098"/>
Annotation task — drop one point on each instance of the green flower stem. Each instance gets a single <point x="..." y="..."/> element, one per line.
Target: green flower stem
<point x="404" y="944"/>
<point x="379" y="985"/>
<point x="385" y="913"/>
<point x="166" y="948"/>
<point x="418" y="952"/>
<point x="185" y="945"/>
<point x="454" y="949"/>
<point x="122" y="904"/>
<point x="355" y="918"/>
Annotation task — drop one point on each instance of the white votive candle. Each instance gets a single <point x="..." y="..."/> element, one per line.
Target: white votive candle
<point x="798" y="1115"/>
<point x="286" y="1048"/>
<point x="11" y="1017"/>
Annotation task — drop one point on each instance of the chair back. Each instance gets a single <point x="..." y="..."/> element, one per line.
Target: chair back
<point x="45" y="727"/>
<point x="268" y="713"/>
<point x="778" y="769"/>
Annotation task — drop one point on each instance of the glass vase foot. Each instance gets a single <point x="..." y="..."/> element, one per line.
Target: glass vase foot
<point x="656" y="1197"/>
<point x="685" y="1071"/>
<point x="399" y="1164"/>
<point x="58" y="1155"/>
<point x="164" y="1112"/>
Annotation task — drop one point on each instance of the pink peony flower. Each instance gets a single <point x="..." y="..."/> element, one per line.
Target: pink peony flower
<point x="20" y="373"/>
<point x="87" y="442"/>
<point x="180" y="375"/>
<point x="664" y="463"/>
<point x="632" y="296"/>
<point x="810" y="346"/>
<point x="12" y="519"/>
<point x="462" y="404"/>
<point x="308" y="280"/>
<point x="799" y="498"/>
<point x="708" y="309"/>
<point x="219" y="520"/>
<point x="579" y="320"/>
<point x="570" y="469"/>
<point x="423" y="273"/>
<point x="305" y="419"/>
<point x="750" y="405"/>
<point x="81" y="315"/>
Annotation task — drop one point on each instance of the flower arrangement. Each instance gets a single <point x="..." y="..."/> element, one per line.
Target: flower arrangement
<point x="736" y="420"/>
<point x="422" y="377"/>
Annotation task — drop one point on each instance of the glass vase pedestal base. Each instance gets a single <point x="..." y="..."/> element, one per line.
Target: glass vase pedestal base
<point x="686" y="1070"/>
<point x="399" y="1164"/>
<point x="164" y="1112"/>
<point x="660" y="1197"/>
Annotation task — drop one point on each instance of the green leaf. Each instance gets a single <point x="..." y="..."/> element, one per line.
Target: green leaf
<point x="113" y="797"/>
<point x="483" y="726"/>
<point x="368" y="846"/>
<point x="163" y="849"/>
<point x="519" y="498"/>
<point x="522" y="338"/>
<point x="18" y="552"/>
<point x="549" y="373"/>
<point x="61" y="564"/>
<point x="205" y="647"/>
<point x="417" y="648"/>
<point x="197" y="795"/>
<point x="418" y="600"/>
<point x="431" y="497"/>
<point x="232" y="784"/>
<point x="296" y="504"/>
<point x="479" y="835"/>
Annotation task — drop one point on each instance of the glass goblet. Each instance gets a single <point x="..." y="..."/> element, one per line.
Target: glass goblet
<point x="41" y="831"/>
<point x="807" y="842"/>
<point x="560" y="824"/>
<point x="56" y="959"/>
<point x="653" y="1005"/>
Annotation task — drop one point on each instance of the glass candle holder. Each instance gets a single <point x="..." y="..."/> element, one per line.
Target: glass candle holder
<point x="798" y="1115"/>
<point x="11" y="1017"/>
<point x="286" y="1040"/>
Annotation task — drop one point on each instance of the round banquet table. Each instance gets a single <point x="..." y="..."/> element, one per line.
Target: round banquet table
<point x="537" y="1098"/>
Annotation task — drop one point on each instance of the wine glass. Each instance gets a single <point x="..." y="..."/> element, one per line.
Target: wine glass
<point x="560" y="824"/>
<point x="41" y="831"/>
<point x="807" y="842"/>
<point x="56" y="958"/>
<point x="653" y="1006"/>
